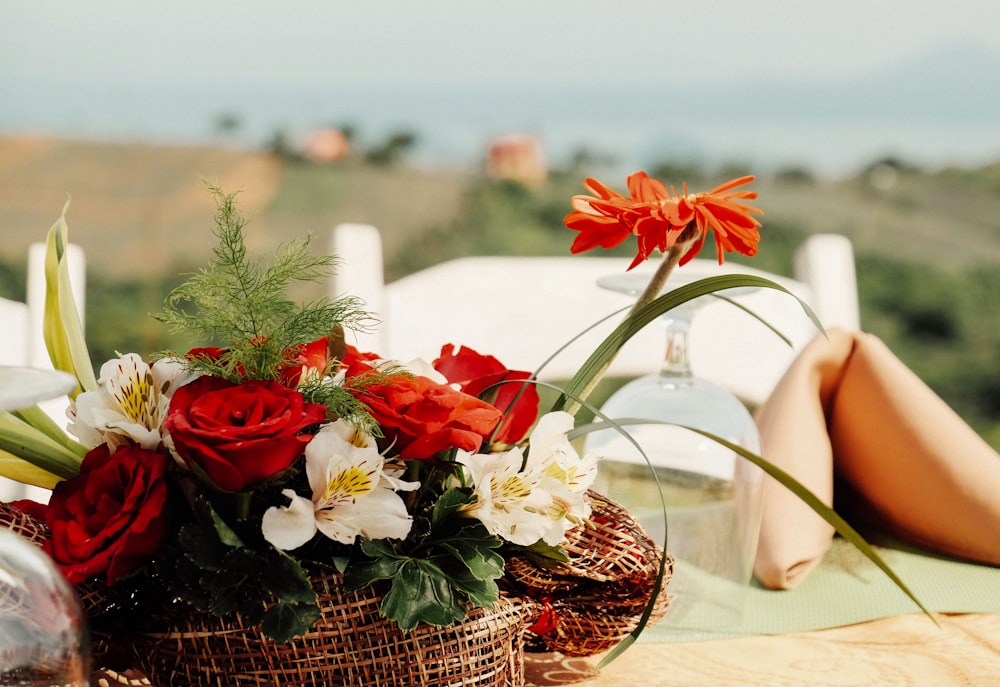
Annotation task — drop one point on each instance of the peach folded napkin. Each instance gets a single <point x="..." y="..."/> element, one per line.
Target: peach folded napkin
<point x="848" y="412"/>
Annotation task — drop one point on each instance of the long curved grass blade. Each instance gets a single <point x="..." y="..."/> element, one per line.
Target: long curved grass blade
<point x="62" y="327"/>
<point x="647" y="612"/>
<point x="751" y="313"/>
<point x="619" y="648"/>
<point x="558" y="351"/>
<point x="824" y="511"/>
<point x="842" y="527"/>
<point x="634" y="323"/>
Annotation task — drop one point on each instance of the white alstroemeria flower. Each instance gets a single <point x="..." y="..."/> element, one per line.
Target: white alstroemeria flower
<point x="555" y="467"/>
<point x="129" y="405"/>
<point x="170" y="374"/>
<point x="351" y="494"/>
<point x="506" y="501"/>
<point x="392" y="470"/>
<point x="552" y="455"/>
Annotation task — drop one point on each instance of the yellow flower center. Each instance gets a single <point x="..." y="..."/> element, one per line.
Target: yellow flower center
<point x="348" y="484"/>
<point x="513" y="487"/>
<point x="134" y="398"/>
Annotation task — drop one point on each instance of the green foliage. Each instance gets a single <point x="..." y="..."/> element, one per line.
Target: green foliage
<point x="445" y="564"/>
<point x="214" y="569"/>
<point x="13" y="281"/>
<point x="393" y="149"/>
<point x="944" y="325"/>
<point x="242" y="306"/>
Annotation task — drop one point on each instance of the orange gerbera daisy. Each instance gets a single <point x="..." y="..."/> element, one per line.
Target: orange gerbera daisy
<point x="604" y="221"/>
<point x="659" y="217"/>
<point x="733" y="223"/>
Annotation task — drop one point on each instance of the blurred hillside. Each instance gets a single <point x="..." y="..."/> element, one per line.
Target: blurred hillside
<point x="927" y="242"/>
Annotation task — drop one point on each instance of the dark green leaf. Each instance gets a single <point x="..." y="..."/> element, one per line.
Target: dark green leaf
<point x="478" y="592"/>
<point x="479" y="558"/>
<point x="448" y="503"/>
<point x="543" y="555"/>
<point x="340" y="563"/>
<point x="378" y="548"/>
<point x="226" y="534"/>
<point x="421" y="593"/>
<point x="202" y="546"/>
<point x="285" y="621"/>
<point x="225" y="594"/>
<point x="360" y="574"/>
<point x="287" y="580"/>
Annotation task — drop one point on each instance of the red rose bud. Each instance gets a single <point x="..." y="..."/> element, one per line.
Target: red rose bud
<point x="307" y="357"/>
<point x="239" y="434"/>
<point x="111" y="518"/>
<point x="475" y="372"/>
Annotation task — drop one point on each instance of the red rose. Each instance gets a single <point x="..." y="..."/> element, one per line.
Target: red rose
<point x="239" y="434"/>
<point x="310" y="356"/>
<point x="422" y="417"/>
<point x="475" y="373"/>
<point x="206" y="353"/>
<point x="32" y="508"/>
<point x="111" y="518"/>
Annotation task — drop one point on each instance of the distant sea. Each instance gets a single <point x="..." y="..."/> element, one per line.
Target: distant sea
<point x="832" y="132"/>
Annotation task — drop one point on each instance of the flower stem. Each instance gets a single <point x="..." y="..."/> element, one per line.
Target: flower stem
<point x="242" y="499"/>
<point x="652" y="290"/>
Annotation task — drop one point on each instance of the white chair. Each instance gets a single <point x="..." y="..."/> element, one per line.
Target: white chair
<point x="23" y="343"/>
<point x="522" y="309"/>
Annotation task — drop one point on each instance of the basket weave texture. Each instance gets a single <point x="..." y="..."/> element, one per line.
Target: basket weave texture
<point x="350" y="645"/>
<point x="598" y="599"/>
<point x="600" y="596"/>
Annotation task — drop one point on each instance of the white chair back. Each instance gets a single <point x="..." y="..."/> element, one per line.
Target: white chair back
<point x="523" y="309"/>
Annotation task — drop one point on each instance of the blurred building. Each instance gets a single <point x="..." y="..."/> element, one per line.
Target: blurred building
<point x="325" y="145"/>
<point x="517" y="157"/>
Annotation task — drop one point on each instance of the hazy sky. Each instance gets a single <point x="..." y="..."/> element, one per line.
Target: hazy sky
<point x="462" y="41"/>
<point x="165" y="71"/>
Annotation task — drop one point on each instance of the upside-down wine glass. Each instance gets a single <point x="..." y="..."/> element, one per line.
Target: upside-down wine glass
<point x="712" y="494"/>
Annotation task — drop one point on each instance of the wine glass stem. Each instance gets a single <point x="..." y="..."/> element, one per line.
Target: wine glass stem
<point x="676" y="362"/>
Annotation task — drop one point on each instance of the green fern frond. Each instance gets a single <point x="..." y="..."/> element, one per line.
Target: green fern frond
<point x="242" y="305"/>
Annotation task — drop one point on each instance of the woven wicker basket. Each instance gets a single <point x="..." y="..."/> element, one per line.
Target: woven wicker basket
<point x="350" y="645"/>
<point x="598" y="598"/>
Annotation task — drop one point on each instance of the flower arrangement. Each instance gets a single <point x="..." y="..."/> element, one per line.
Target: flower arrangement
<point x="228" y="475"/>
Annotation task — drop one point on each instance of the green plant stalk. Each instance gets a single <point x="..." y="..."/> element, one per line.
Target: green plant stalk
<point x="644" y="314"/>
<point x="20" y="470"/>
<point x="40" y="420"/>
<point x="20" y="439"/>
<point x="652" y="290"/>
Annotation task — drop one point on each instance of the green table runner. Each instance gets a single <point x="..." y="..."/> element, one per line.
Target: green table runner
<point x="846" y="588"/>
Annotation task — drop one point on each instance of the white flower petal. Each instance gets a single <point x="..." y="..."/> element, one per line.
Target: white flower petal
<point x="379" y="515"/>
<point x="127" y="407"/>
<point x="351" y="495"/>
<point x="289" y="527"/>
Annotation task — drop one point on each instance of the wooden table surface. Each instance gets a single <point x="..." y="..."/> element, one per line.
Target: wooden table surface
<point x="907" y="650"/>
